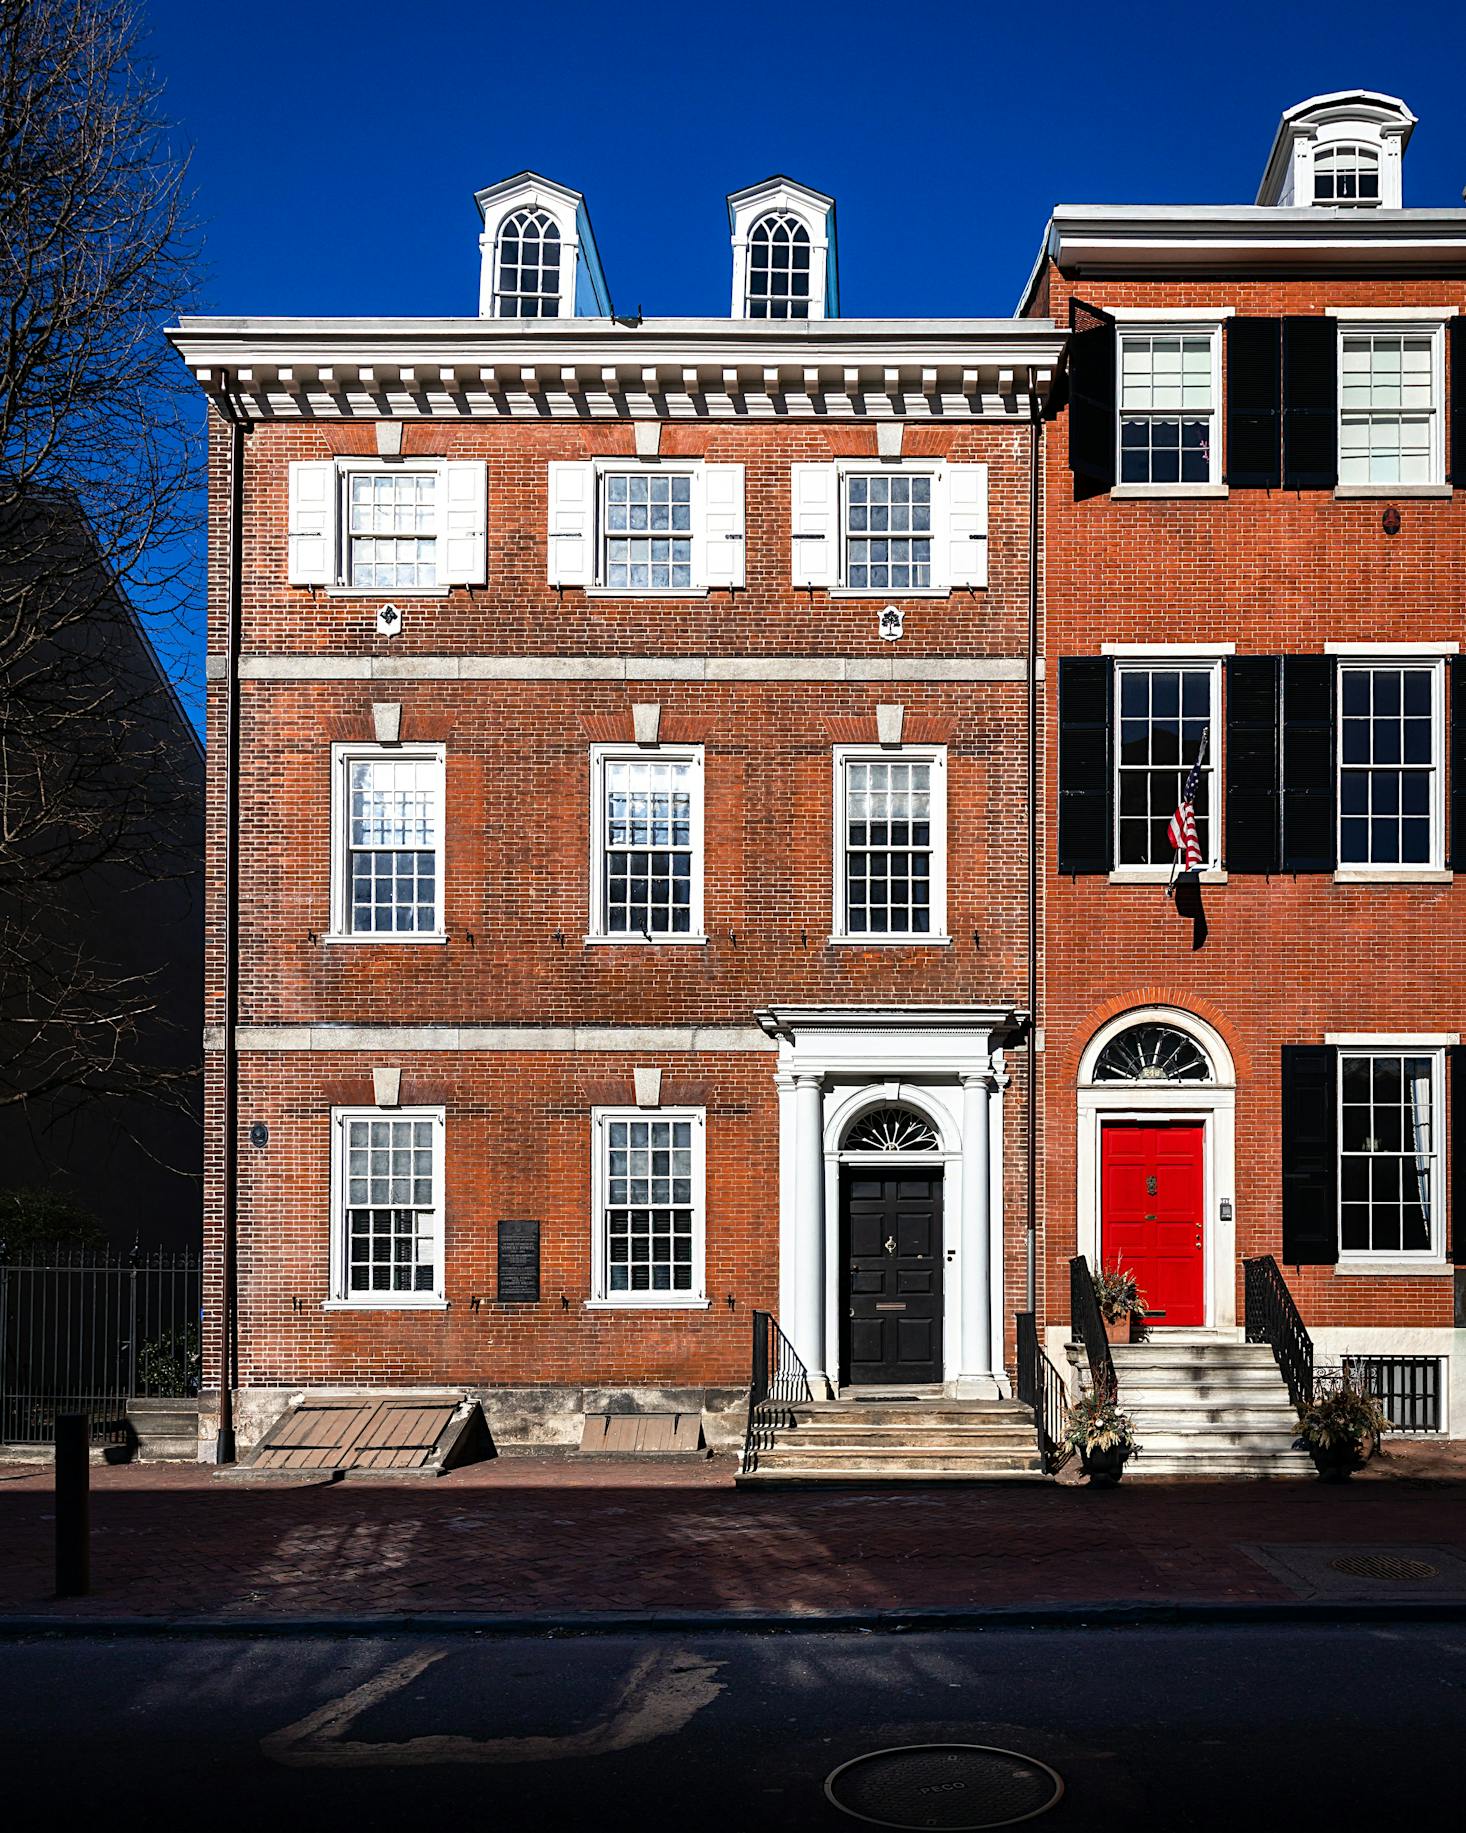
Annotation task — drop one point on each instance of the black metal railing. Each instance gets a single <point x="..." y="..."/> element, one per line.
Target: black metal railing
<point x="1042" y="1387"/>
<point x="1270" y="1316"/>
<point x="1407" y="1387"/>
<point x="83" y="1331"/>
<point x="779" y="1382"/>
<point x="1088" y="1327"/>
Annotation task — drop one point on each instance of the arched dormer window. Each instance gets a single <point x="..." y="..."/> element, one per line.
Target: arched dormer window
<point x="1346" y="175"/>
<point x="1152" y="1053"/>
<point x="528" y="281"/>
<point x="778" y="267"/>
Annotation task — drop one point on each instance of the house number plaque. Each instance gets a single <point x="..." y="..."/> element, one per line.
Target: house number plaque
<point x="519" y="1263"/>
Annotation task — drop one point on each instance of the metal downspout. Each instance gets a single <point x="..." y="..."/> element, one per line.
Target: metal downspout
<point x="1035" y="469"/>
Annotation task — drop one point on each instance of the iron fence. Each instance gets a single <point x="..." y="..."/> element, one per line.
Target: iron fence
<point x="778" y="1383"/>
<point x="83" y="1331"/>
<point x="1407" y="1387"/>
<point x="1042" y="1387"/>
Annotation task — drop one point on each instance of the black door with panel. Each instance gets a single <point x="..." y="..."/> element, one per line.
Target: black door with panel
<point x="891" y="1261"/>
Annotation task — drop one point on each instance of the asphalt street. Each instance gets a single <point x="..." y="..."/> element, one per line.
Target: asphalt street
<point x="1247" y="1728"/>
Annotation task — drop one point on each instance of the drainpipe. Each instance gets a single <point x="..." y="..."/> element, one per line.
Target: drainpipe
<point x="224" y="1446"/>
<point x="1035" y="468"/>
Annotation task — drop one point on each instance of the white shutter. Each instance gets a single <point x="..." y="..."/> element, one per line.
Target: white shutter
<point x="814" y="524"/>
<point x="570" y="527"/>
<point x="722" y="525"/>
<point x="464" y="521"/>
<point x="311" y="531"/>
<point x="967" y="524"/>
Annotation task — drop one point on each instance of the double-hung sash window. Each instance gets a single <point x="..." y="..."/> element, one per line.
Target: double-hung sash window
<point x="647" y="840"/>
<point x="890" y="843"/>
<point x="887" y="529"/>
<point x="388" y="864"/>
<point x="1165" y="711"/>
<point x="1390" y="802"/>
<point x="649" y="1220"/>
<point x="1391" y="383"/>
<point x="1168" y="390"/>
<point x="388" y="1184"/>
<point x="646" y="531"/>
<point x="391" y="524"/>
<point x="387" y="526"/>
<point x="1390" y="1153"/>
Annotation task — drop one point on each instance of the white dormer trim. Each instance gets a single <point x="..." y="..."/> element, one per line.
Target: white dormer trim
<point x="1381" y="124"/>
<point x="817" y="214"/>
<point x="528" y="191"/>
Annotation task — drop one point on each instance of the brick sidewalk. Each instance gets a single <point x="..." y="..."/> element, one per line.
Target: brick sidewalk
<point x="536" y="1536"/>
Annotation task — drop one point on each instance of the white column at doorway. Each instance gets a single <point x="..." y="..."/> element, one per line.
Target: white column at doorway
<point x="809" y="1229"/>
<point x="976" y="1379"/>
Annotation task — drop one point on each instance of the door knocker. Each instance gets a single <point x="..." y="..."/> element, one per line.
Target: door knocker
<point x="1150" y="1186"/>
<point x="890" y="1244"/>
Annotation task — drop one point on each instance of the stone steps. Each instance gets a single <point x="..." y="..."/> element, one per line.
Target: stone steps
<point x="889" y="1441"/>
<point x="1216" y="1409"/>
<point x="167" y="1430"/>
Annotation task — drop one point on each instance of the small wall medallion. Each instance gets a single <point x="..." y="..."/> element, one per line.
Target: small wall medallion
<point x="389" y="621"/>
<point x="892" y="624"/>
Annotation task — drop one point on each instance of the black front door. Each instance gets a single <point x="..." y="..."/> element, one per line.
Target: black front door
<point x="891" y="1254"/>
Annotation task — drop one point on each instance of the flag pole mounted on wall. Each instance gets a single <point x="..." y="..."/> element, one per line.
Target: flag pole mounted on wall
<point x="1182" y="829"/>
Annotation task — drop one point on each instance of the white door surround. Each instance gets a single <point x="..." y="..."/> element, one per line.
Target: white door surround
<point x="1213" y="1102"/>
<point x="945" y="1063"/>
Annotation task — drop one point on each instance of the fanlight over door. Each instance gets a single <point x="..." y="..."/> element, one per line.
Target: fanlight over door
<point x="891" y="1129"/>
<point x="1152" y="1053"/>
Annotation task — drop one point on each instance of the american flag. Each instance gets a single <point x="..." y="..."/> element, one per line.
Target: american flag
<point x="1182" y="830"/>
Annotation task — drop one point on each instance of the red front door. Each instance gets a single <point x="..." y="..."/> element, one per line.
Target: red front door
<point x="1152" y="1185"/>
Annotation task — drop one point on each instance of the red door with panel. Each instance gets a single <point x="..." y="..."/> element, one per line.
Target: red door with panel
<point x="1153" y="1197"/>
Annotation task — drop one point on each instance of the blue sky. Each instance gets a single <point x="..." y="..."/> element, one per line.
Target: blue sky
<point x="337" y="148"/>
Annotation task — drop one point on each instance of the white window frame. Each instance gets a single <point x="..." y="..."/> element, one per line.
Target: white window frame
<point x="797" y="219"/>
<point x="602" y="1298"/>
<point x="1204" y="325"/>
<point x="936" y="756"/>
<point x="1363" y="156"/>
<point x="343" y="756"/>
<point x="1145" y="660"/>
<point x="1407" y="324"/>
<point x="600" y="755"/>
<point x="342" y="1297"/>
<point x="1386" y="870"/>
<point x="630" y="467"/>
<point x="936" y="470"/>
<point x="1385" y="1260"/>
<point x="346" y="469"/>
<point x="567" y="253"/>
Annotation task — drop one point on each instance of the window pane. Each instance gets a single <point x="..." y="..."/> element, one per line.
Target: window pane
<point x="1387" y="1151"/>
<point x="529" y="267"/>
<point x="648" y="856"/>
<point x="649" y="1220"/>
<point x="392" y="870"/>
<point x="390" y="1219"/>
<point x="1165" y="721"/>
<point x="888" y="847"/>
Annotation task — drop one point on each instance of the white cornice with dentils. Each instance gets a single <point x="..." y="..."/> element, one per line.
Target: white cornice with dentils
<point x="683" y="368"/>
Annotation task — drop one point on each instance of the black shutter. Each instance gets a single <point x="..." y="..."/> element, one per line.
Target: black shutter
<point x="1309" y="840"/>
<point x="1456" y="1156"/>
<point x="1251" y="763"/>
<point x="1310" y="1160"/>
<point x="1310" y="403"/>
<point x="1456" y="343"/>
<point x="1457" y="858"/>
<point x="1086" y="819"/>
<point x="1254" y="402"/>
<point x="1091" y="397"/>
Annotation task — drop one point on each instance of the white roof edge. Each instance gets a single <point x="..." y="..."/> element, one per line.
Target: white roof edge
<point x="526" y="181"/>
<point x="552" y="331"/>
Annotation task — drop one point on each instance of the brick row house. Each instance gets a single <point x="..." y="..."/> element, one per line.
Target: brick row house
<point x="690" y="800"/>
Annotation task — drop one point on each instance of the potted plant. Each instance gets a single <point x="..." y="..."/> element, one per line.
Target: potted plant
<point x="1103" y="1436"/>
<point x="1121" y="1303"/>
<point x="1341" y="1427"/>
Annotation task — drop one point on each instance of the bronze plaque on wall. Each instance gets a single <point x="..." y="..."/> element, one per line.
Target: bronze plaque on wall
<point x="519" y="1263"/>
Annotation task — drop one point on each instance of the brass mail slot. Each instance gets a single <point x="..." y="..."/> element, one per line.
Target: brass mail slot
<point x="884" y="1305"/>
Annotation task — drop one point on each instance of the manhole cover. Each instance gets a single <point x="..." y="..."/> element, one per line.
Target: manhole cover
<point x="1383" y="1565"/>
<point x="951" y="1786"/>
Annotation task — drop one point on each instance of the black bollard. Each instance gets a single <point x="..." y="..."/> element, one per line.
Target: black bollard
<point x="73" y="1505"/>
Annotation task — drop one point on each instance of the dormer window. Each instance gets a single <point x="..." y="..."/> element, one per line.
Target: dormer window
<point x="1346" y="175"/>
<point x="778" y="267"/>
<point x="528" y="281"/>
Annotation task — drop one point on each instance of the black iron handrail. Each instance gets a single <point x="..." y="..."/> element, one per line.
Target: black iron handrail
<point x="1042" y="1387"/>
<point x="779" y="1382"/>
<point x="1088" y="1327"/>
<point x="1271" y="1317"/>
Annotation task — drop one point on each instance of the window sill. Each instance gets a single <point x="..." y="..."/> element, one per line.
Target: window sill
<point x="642" y="1303"/>
<point x="1393" y="1269"/>
<point x="1161" y="875"/>
<point x="633" y="592"/>
<point x="642" y="941"/>
<point x="1393" y="875"/>
<point x="385" y="1304"/>
<point x="1345" y="493"/>
<point x="889" y="941"/>
<point x="895" y="594"/>
<point x="388" y="938"/>
<point x="387" y="595"/>
<point x="1159" y="493"/>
